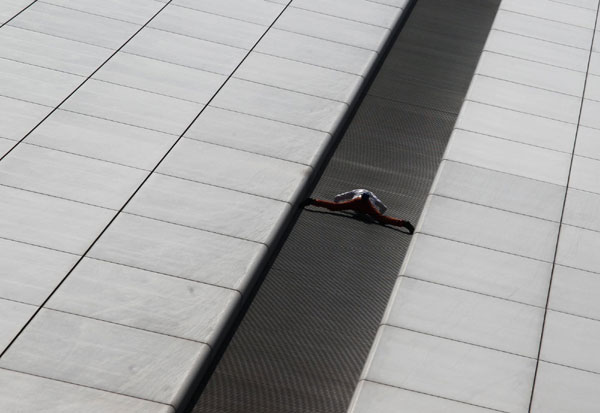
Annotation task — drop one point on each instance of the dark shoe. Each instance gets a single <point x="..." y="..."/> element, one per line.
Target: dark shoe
<point x="409" y="227"/>
<point x="306" y="202"/>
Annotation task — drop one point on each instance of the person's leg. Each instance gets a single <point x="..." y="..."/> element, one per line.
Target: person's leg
<point x="384" y="219"/>
<point x="332" y="206"/>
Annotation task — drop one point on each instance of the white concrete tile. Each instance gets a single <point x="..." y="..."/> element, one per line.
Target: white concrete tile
<point x="102" y="139"/>
<point x="517" y="126"/>
<point x="255" y="11"/>
<point x="553" y="10"/>
<point x="595" y="64"/>
<point x="17" y="117"/>
<point x="537" y="50"/>
<point x="14" y="317"/>
<point x="578" y="248"/>
<point x="35" y="84"/>
<point x="332" y="28"/>
<point x="30" y="273"/>
<point x="588" y="142"/>
<point x="478" y="269"/>
<point x="179" y="251"/>
<point x="10" y="8"/>
<point x="358" y="10"/>
<point x="509" y="157"/>
<point x="586" y="4"/>
<point x="185" y="51"/>
<point x="589" y="114"/>
<point x="135" y="11"/>
<point x="571" y="341"/>
<point x="132" y="106"/>
<point x="465" y="316"/>
<point x="316" y="51"/>
<point x="524" y="99"/>
<point x="543" y="29"/>
<point x="106" y="356"/>
<point x="75" y="25"/>
<point x="234" y="169"/>
<point x="27" y="393"/>
<point x="208" y="26"/>
<point x="299" y="77"/>
<point x="146" y="300"/>
<point x="450" y="369"/>
<point x="259" y="135"/>
<point x="373" y="397"/>
<point x="584" y="174"/>
<point x="50" y="222"/>
<point x="581" y="209"/>
<point x="531" y="73"/>
<point x="499" y="190"/>
<point x="561" y="389"/>
<point x="161" y="77"/>
<point x="209" y="208"/>
<point x="50" y="51"/>
<point x="5" y="146"/>
<point x="282" y="105"/>
<point x="592" y="87"/>
<point x="575" y="292"/>
<point x="69" y="176"/>
<point x="490" y="228"/>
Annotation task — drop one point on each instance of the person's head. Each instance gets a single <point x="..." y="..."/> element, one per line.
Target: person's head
<point x="365" y="197"/>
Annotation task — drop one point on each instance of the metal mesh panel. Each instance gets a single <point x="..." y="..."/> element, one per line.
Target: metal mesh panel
<point x="304" y="340"/>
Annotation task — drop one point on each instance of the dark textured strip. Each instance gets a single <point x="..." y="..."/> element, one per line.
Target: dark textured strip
<point x="306" y="335"/>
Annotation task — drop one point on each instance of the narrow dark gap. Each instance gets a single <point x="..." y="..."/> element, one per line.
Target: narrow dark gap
<point x="303" y="341"/>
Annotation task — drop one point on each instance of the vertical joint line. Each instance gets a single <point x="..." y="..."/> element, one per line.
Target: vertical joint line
<point x="537" y="364"/>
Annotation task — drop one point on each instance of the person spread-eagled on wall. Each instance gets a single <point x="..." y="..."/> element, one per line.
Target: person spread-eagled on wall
<point x="363" y="202"/>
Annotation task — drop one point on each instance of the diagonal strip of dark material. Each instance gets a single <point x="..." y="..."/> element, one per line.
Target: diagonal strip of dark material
<point x="304" y="340"/>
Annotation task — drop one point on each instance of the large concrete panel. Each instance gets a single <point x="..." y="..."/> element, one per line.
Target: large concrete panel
<point x="510" y="157"/>
<point x="299" y="77"/>
<point x="263" y="136"/>
<point x="18" y="117"/>
<point x="282" y="105"/>
<point x="29" y="393"/>
<point x="234" y="169"/>
<point x="50" y="51"/>
<point x="161" y="77"/>
<point x="499" y="190"/>
<point x="135" y="11"/>
<point x="133" y="107"/>
<point x="102" y="139"/>
<point x="517" y="126"/>
<point x="75" y="25"/>
<point x="489" y="228"/>
<point x="69" y="176"/>
<point x="316" y="51"/>
<point x="207" y="26"/>
<point x="561" y="389"/>
<point x="209" y="208"/>
<point x="575" y="292"/>
<point x="571" y="341"/>
<point x="450" y="369"/>
<point x="35" y="84"/>
<point x="186" y="51"/>
<point x="537" y="50"/>
<point x="50" y="222"/>
<point x="332" y="28"/>
<point x="478" y="269"/>
<point x="371" y="397"/>
<point x="254" y="11"/>
<point x="14" y="317"/>
<point x="145" y="300"/>
<point x="105" y="356"/>
<point x="465" y="316"/>
<point x="179" y="251"/>
<point x="358" y="10"/>
<point x="30" y="273"/>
